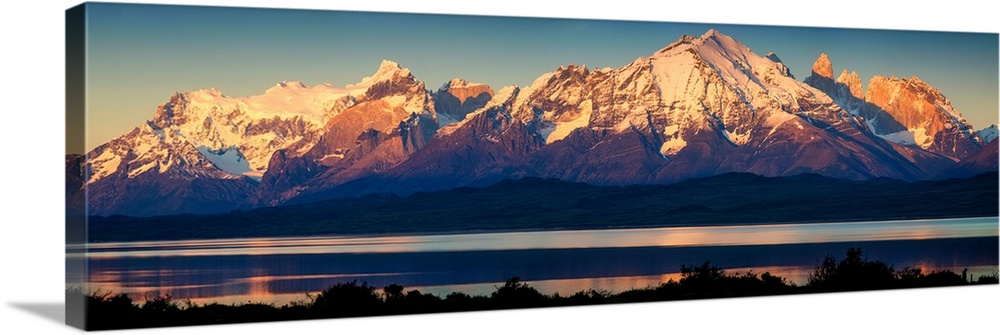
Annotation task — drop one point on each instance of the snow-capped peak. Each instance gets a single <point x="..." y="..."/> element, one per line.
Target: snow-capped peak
<point x="214" y="92"/>
<point x="711" y="37"/>
<point x="741" y="67"/>
<point x="284" y="86"/>
<point x="721" y="39"/>
<point x="387" y="65"/>
<point x="236" y="134"/>
<point x="989" y="133"/>
<point x="291" y="84"/>
<point x="503" y="97"/>
<point x="386" y="71"/>
<point x="754" y="87"/>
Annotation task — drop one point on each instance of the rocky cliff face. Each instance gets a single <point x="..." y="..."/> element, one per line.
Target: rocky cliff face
<point x="905" y="111"/>
<point x="457" y="98"/>
<point x="852" y="82"/>
<point x="926" y="114"/>
<point x="849" y="94"/>
<point x="823" y="67"/>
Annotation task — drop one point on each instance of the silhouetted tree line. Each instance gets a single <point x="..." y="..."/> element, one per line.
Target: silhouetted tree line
<point x="351" y="299"/>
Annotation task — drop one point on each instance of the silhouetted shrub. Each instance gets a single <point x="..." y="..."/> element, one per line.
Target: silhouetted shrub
<point x="942" y="278"/>
<point x="160" y="304"/>
<point x="990" y="279"/>
<point x="457" y="297"/>
<point x="699" y="275"/>
<point x="108" y="311"/>
<point x="515" y="294"/>
<point x="397" y="302"/>
<point x="587" y="297"/>
<point x="910" y="275"/>
<point x="706" y="280"/>
<point x="416" y="302"/>
<point x="851" y="274"/>
<point x="347" y="299"/>
<point x="393" y="292"/>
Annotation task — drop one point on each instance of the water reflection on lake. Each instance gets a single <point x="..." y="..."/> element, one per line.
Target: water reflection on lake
<point x="285" y="269"/>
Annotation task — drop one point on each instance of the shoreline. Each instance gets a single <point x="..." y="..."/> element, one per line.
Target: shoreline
<point x="549" y="229"/>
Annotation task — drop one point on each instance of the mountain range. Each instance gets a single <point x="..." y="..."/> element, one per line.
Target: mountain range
<point x="701" y="106"/>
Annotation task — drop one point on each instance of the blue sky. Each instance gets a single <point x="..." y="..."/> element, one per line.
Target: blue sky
<point x="140" y="54"/>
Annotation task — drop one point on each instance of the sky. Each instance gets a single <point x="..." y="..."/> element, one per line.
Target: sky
<point x="139" y="55"/>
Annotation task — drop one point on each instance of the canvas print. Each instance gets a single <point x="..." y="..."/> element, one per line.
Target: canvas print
<point x="247" y="165"/>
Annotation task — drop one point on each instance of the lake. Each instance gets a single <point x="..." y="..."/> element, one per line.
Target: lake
<point x="283" y="270"/>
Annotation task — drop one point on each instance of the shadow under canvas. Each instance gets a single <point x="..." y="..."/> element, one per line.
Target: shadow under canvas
<point x="52" y="311"/>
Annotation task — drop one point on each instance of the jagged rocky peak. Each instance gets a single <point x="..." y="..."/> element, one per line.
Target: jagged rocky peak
<point x="839" y="90"/>
<point x="463" y="89"/>
<point x="774" y="58"/>
<point x="167" y="112"/>
<point x="574" y="68"/>
<point x="822" y="67"/>
<point x="853" y="83"/>
<point x="905" y="111"/>
<point x="684" y="40"/>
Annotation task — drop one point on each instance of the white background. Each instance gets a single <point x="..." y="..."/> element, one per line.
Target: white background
<point x="31" y="187"/>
